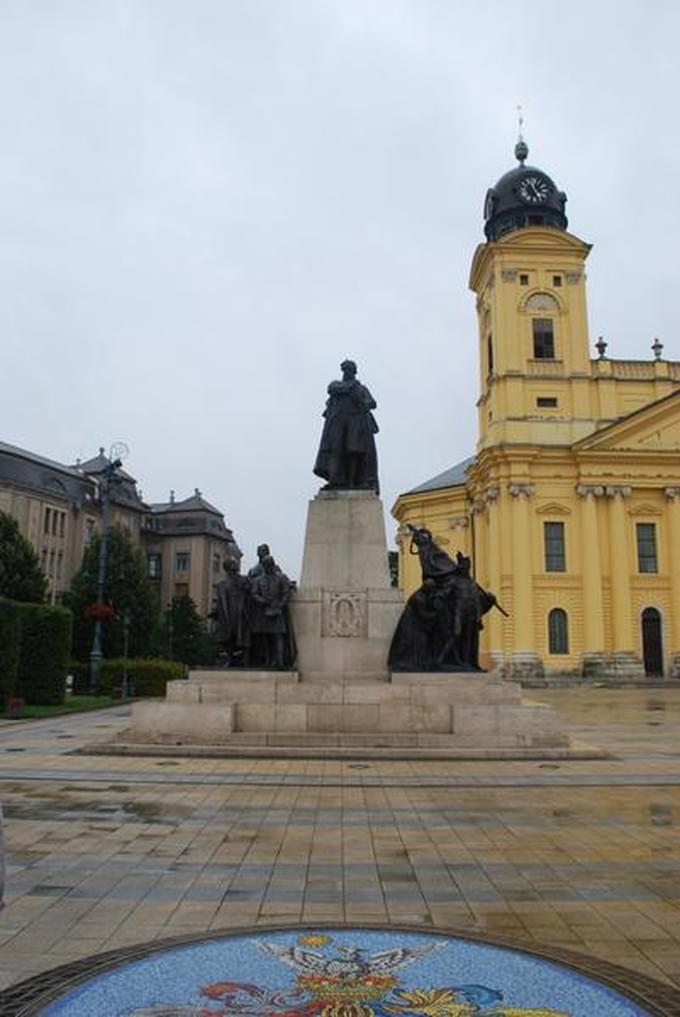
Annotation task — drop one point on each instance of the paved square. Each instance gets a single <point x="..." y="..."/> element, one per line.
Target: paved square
<point x="108" y="851"/>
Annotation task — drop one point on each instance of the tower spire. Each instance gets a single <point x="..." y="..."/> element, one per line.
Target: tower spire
<point x="521" y="148"/>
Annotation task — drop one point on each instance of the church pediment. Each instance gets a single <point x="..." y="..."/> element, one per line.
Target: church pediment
<point x="553" y="508"/>
<point x="653" y="428"/>
<point x="644" y="509"/>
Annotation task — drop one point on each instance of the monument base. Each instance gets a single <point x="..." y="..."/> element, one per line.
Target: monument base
<point x="449" y="712"/>
<point x="344" y="615"/>
<point x="345" y="610"/>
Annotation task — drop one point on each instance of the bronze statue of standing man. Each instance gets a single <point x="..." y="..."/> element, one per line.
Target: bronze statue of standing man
<point x="347" y="457"/>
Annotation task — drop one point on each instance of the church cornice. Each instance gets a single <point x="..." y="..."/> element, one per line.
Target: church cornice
<point x="529" y="242"/>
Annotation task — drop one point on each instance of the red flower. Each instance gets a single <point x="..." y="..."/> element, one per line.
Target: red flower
<point x="99" y="612"/>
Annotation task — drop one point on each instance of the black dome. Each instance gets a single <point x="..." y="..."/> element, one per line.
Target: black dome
<point x="525" y="196"/>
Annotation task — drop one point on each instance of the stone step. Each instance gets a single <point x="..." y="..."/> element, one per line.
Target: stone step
<point x="328" y="750"/>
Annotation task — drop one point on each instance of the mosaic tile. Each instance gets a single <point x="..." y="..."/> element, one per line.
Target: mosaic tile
<point x="345" y="972"/>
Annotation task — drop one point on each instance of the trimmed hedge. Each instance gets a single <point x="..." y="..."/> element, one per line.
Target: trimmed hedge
<point x="146" y="676"/>
<point x="44" y="653"/>
<point x="10" y="648"/>
<point x="35" y="643"/>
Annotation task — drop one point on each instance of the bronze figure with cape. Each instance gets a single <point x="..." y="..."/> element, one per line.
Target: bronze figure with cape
<point x="347" y="457"/>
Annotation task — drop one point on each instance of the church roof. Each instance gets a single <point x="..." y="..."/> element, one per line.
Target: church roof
<point x="524" y="196"/>
<point x="453" y="477"/>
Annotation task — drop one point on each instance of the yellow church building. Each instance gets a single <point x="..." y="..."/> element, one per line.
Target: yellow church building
<point x="570" y="508"/>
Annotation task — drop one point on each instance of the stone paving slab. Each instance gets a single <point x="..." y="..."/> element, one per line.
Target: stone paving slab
<point x="584" y="855"/>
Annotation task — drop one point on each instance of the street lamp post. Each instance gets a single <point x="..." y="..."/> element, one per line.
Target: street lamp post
<point x="125" y="689"/>
<point x="171" y="629"/>
<point x="96" y="654"/>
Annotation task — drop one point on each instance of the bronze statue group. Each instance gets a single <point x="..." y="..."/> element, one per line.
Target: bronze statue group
<point x="252" y="616"/>
<point x="440" y="625"/>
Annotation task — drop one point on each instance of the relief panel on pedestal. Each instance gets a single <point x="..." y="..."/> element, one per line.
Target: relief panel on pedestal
<point x="344" y="614"/>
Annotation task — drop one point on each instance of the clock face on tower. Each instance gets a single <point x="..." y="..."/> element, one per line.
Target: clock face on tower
<point x="534" y="189"/>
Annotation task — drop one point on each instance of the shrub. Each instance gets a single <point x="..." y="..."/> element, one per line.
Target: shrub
<point x="10" y="644"/>
<point x="146" y="676"/>
<point x="44" y="653"/>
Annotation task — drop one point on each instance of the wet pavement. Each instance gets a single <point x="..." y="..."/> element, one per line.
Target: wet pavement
<point x="105" y="851"/>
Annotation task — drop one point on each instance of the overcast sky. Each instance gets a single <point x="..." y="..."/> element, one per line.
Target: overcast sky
<point x="205" y="205"/>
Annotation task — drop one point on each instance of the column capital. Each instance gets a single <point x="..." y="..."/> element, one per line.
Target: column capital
<point x="491" y="494"/>
<point x="459" y="522"/>
<point x="594" y="490"/>
<point x="618" y="490"/>
<point x="520" y="490"/>
<point x="672" y="493"/>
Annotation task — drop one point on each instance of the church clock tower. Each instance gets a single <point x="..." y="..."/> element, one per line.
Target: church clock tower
<point x="531" y="304"/>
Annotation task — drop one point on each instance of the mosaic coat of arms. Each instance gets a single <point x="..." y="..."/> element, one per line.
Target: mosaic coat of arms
<point x="346" y="981"/>
<point x="339" y="972"/>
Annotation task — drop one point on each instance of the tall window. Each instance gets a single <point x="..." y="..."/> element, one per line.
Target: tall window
<point x="216" y="563"/>
<point x="46" y="526"/>
<point x="544" y="338"/>
<point x="489" y="344"/>
<point x="646" y="547"/>
<point x="555" y="556"/>
<point x="154" y="565"/>
<point x="182" y="561"/>
<point x="558" y="631"/>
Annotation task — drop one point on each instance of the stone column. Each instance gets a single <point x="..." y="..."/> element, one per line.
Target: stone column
<point x="524" y="661"/>
<point x="673" y="515"/>
<point x="625" y="661"/>
<point x="593" y="659"/>
<point x="493" y="622"/>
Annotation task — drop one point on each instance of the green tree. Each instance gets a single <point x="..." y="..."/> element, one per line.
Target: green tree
<point x="20" y="575"/>
<point x="128" y="589"/>
<point x="184" y="635"/>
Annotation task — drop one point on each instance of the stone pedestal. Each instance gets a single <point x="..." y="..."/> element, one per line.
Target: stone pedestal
<point x="459" y="713"/>
<point x="345" y="611"/>
<point x="626" y="664"/>
<point x="525" y="664"/>
<point x="595" y="665"/>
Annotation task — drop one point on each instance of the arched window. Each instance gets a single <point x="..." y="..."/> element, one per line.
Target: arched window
<point x="542" y="302"/>
<point x="558" y="631"/>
